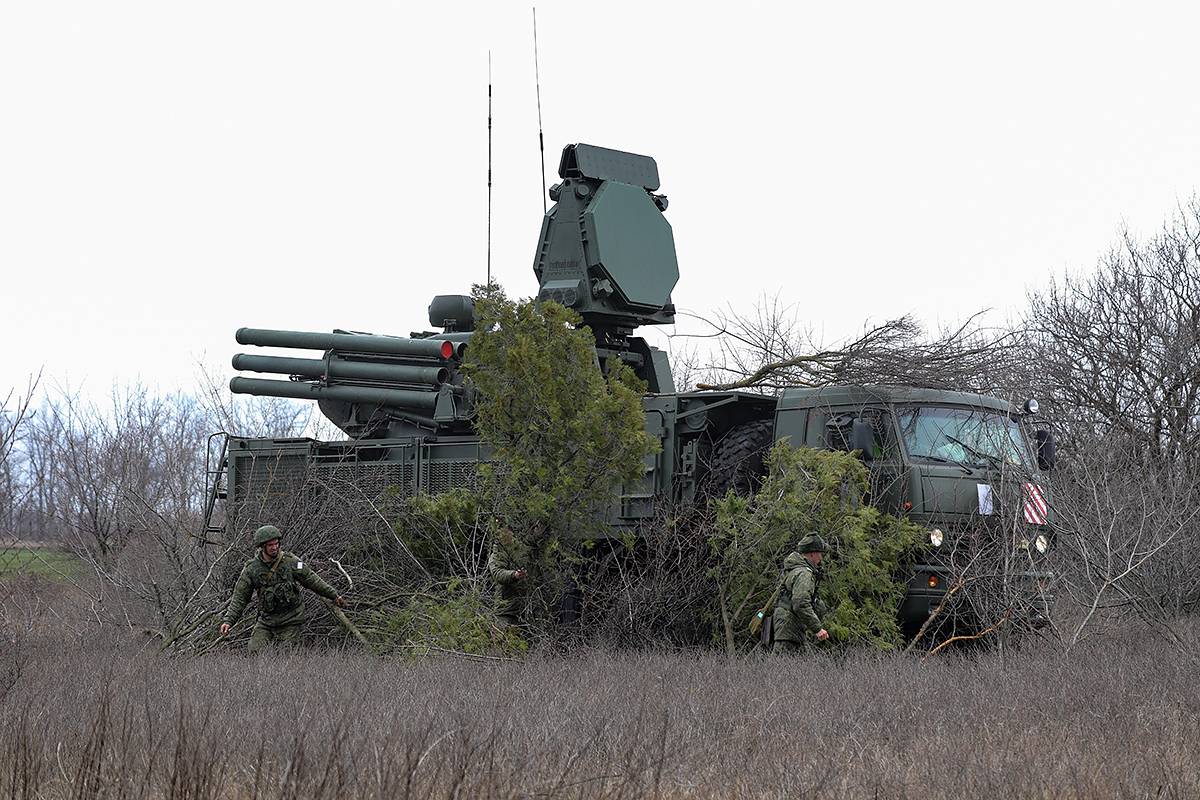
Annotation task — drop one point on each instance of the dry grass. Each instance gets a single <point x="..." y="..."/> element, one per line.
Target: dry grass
<point x="79" y="718"/>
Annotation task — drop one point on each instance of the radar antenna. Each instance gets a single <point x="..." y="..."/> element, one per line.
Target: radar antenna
<point x="537" y="79"/>
<point x="489" y="210"/>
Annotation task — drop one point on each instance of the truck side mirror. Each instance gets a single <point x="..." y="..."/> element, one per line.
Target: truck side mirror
<point x="862" y="437"/>
<point x="1047" y="452"/>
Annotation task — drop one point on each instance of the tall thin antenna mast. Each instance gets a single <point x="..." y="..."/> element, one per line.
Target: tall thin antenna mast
<point x="489" y="221"/>
<point x="538" y="82"/>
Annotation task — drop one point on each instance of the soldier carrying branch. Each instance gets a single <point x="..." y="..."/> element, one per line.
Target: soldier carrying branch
<point x="276" y="577"/>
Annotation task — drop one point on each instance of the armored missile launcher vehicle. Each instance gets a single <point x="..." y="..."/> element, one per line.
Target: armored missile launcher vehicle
<point x="607" y="250"/>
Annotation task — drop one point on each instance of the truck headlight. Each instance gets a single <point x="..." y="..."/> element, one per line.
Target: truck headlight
<point x="1041" y="543"/>
<point x="936" y="537"/>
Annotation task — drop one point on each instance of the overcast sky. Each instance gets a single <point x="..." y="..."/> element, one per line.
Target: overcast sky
<point x="172" y="171"/>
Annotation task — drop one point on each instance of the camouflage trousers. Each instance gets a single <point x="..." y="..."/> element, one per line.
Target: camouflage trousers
<point x="787" y="647"/>
<point x="263" y="637"/>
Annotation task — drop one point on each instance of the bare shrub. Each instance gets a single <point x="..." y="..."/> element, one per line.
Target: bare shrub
<point x="1124" y="538"/>
<point x="654" y="590"/>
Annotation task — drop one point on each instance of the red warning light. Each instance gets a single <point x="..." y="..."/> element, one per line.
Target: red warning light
<point x="447" y="349"/>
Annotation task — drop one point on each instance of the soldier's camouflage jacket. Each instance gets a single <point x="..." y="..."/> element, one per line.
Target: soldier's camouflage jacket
<point x="278" y="588"/>
<point x="798" y="612"/>
<point x="502" y="565"/>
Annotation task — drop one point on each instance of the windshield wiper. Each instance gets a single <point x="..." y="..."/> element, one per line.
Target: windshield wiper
<point x="931" y="457"/>
<point x="992" y="461"/>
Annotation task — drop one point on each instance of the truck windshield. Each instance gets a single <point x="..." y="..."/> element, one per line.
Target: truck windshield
<point x="964" y="436"/>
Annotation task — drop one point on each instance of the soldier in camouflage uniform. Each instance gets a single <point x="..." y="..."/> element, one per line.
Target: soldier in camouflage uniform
<point x="506" y="567"/>
<point x="276" y="577"/>
<point x="798" y="612"/>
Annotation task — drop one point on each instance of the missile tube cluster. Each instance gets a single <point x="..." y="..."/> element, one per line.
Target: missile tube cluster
<point x="392" y="371"/>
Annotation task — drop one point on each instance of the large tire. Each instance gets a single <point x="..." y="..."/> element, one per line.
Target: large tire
<point x="739" y="459"/>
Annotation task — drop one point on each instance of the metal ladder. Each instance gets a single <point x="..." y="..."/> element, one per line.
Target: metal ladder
<point x="214" y="489"/>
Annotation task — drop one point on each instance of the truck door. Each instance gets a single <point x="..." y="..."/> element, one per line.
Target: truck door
<point x="889" y="486"/>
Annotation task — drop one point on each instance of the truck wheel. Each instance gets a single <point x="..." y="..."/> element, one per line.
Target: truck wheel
<point x="739" y="458"/>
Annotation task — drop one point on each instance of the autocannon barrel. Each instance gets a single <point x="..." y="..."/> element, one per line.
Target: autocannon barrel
<point x="395" y="398"/>
<point x="341" y="368"/>
<point x="348" y="342"/>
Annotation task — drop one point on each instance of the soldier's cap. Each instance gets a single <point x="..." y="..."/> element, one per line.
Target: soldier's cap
<point x="812" y="542"/>
<point x="265" y="534"/>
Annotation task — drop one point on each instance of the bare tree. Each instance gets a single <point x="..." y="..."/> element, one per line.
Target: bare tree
<point x="15" y="413"/>
<point x="1120" y="347"/>
<point x="122" y="486"/>
<point x="1118" y="362"/>
<point x="257" y="416"/>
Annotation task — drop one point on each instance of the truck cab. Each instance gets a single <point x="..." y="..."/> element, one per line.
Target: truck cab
<point x="969" y="468"/>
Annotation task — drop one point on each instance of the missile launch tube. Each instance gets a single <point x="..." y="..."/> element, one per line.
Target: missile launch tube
<point x="348" y="342"/>
<point x="395" y="398"/>
<point x="341" y="368"/>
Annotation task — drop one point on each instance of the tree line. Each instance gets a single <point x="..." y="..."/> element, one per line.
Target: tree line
<point x="1112" y="353"/>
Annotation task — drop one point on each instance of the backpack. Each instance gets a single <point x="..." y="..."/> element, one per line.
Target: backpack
<point x="762" y="624"/>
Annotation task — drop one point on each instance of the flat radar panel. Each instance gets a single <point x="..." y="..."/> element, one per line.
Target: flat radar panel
<point x="604" y="164"/>
<point x="632" y="241"/>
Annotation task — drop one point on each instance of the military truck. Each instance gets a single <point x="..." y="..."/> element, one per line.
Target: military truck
<point x="607" y="250"/>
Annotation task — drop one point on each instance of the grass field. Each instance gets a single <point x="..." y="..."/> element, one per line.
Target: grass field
<point x="1118" y="718"/>
<point x="89" y="708"/>
<point x="44" y="561"/>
